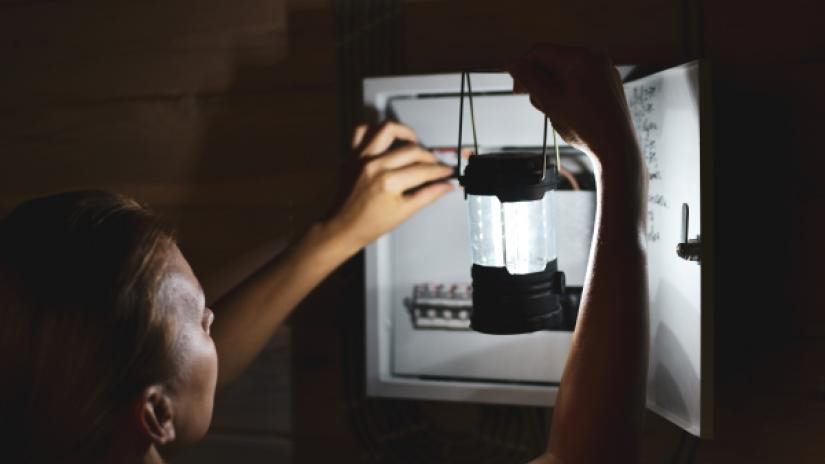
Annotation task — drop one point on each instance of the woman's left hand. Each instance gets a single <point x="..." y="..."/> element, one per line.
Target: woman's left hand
<point x="393" y="183"/>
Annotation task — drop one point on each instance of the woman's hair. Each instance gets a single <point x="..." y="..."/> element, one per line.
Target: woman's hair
<point x="81" y="332"/>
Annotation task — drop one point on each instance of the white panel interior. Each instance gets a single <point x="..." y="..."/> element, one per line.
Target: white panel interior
<point x="501" y="120"/>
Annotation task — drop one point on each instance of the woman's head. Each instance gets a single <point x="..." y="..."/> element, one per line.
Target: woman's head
<point x="103" y="331"/>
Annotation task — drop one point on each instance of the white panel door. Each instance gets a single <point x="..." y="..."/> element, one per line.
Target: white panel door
<point x="666" y="108"/>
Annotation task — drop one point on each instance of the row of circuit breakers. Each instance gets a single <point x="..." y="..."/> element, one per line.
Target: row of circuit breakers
<point x="449" y="306"/>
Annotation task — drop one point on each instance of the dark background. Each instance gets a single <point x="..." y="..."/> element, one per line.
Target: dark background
<point x="231" y="118"/>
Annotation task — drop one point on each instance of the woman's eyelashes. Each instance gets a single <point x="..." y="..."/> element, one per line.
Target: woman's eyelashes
<point x="208" y="318"/>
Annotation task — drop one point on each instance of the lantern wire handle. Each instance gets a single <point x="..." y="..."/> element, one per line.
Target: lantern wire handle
<point x="558" y="157"/>
<point x="472" y="114"/>
<point x="544" y="150"/>
<point x="466" y="74"/>
<point x="460" y="126"/>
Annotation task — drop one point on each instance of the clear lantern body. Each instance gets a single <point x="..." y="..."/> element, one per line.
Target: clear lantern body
<point x="518" y="235"/>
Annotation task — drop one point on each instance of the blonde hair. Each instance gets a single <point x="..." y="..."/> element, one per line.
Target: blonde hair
<point x="81" y="333"/>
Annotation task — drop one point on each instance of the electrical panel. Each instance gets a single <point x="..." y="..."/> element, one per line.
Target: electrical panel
<point x="418" y="285"/>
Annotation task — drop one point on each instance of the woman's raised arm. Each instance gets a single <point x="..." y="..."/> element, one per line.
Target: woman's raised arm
<point x="379" y="200"/>
<point x="600" y="406"/>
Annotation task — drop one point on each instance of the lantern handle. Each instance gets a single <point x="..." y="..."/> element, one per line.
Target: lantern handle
<point x="472" y="114"/>
<point x="544" y="151"/>
<point x="465" y="74"/>
<point x="460" y="126"/>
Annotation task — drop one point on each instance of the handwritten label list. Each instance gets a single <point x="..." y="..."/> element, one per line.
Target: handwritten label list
<point x="643" y="111"/>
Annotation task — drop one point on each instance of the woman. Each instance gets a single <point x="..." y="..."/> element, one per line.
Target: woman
<point x="109" y="354"/>
<point x="103" y="325"/>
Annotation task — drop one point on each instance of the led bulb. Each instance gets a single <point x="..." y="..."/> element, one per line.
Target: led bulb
<point x="515" y="235"/>
<point x="486" y="230"/>
<point x="525" y="236"/>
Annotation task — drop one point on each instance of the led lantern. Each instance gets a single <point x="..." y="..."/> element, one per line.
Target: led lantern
<point x="516" y="283"/>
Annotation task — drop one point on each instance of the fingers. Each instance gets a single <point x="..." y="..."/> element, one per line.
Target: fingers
<point x="358" y="135"/>
<point x="540" y="83"/>
<point x="561" y="63"/>
<point x="383" y="137"/>
<point x="518" y="68"/>
<point x="410" y="177"/>
<point x="549" y="60"/>
<point x="428" y="194"/>
<point x="401" y="157"/>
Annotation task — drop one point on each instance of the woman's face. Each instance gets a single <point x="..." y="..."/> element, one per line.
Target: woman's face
<point x="196" y="362"/>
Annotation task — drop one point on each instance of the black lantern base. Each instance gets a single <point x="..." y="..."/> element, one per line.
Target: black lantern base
<point x="506" y="304"/>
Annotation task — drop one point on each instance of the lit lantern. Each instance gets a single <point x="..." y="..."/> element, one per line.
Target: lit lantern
<point x="516" y="283"/>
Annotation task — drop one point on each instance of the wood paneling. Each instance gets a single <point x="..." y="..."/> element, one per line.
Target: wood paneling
<point x="246" y="449"/>
<point x="259" y="401"/>
<point x="769" y="341"/>
<point x="98" y="49"/>
<point x="786" y="32"/>
<point x="220" y="115"/>
<point x="452" y="35"/>
<point x="235" y="157"/>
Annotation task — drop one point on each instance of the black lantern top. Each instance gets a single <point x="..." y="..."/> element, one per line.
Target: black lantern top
<point x="509" y="176"/>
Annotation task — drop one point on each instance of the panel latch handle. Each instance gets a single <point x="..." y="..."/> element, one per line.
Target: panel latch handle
<point x="688" y="249"/>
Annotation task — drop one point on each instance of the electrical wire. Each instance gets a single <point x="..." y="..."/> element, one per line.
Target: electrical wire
<point x="690" y="454"/>
<point x="574" y="184"/>
<point x="685" y="451"/>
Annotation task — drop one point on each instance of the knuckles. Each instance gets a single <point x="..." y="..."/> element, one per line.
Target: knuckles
<point x="371" y="168"/>
<point x="385" y="182"/>
<point x="386" y="126"/>
<point x="358" y="135"/>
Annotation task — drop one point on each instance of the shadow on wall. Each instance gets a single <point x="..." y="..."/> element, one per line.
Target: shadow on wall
<point x="269" y="157"/>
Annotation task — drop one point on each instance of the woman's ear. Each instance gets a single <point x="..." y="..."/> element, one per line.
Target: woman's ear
<point x="155" y="414"/>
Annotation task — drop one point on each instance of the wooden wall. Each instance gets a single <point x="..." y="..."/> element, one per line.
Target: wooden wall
<point x="770" y="101"/>
<point x="220" y="115"/>
<point x="205" y="110"/>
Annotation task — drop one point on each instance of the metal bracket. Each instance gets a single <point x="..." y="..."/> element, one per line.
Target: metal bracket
<point x="689" y="249"/>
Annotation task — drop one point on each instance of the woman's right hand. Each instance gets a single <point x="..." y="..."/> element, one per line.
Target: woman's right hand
<point x="582" y="94"/>
<point x="396" y="178"/>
